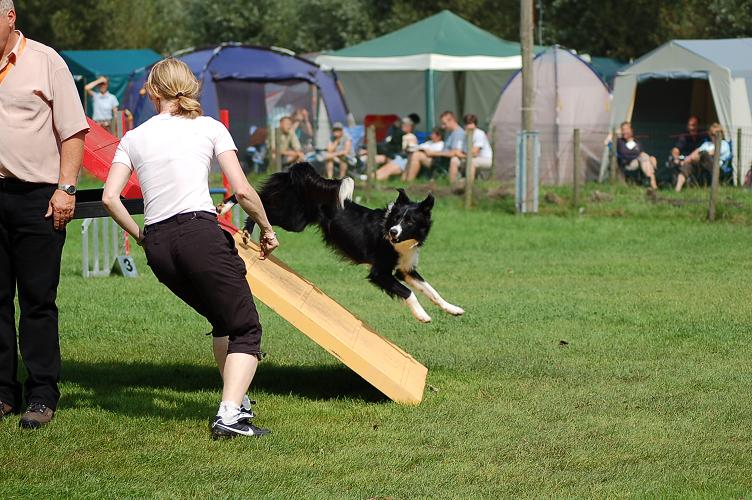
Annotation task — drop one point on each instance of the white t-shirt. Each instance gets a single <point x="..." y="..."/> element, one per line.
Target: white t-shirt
<point x="432" y="146"/>
<point x="480" y="140"/>
<point x="172" y="158"/>
<point x="103" y="104"/>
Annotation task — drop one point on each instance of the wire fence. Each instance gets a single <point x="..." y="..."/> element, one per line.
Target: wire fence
<point x="556" y="145"/>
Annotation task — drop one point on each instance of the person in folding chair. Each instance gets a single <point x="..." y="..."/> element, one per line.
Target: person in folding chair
<point x="184" y="245"/>
<point x="699" y="163"/>
<point x="632" y="158"/>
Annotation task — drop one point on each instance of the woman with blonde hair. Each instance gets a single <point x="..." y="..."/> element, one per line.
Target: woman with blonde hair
<point x="184" y="245"/>
<point x="700" y="161"/>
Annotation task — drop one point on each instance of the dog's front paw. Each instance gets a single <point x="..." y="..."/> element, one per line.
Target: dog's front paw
<point x="454" y="310"/>
<point x="423" y="318"/>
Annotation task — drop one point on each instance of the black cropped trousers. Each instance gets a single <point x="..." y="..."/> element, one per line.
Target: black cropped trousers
<point x="198" y="262"/>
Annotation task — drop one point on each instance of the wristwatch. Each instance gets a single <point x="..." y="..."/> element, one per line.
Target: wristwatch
<point x="67" y="188"/>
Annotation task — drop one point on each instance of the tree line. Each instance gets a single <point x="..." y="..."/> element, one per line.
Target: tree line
<point x="613" y="28"/>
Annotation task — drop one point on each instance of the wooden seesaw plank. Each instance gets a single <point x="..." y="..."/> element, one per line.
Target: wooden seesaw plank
<point x="384" y="365"/>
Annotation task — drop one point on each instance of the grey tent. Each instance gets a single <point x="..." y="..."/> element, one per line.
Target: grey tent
<point x="569" y="94"/>
<point x="708" y="78"/>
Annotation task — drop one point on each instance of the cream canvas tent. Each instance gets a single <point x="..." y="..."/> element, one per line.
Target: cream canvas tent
<point x="440" y="63"/>
<point x="569" y="94"/>
<point x="709" y="78"/>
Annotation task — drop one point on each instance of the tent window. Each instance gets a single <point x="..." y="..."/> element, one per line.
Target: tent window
<point x="662" y="107"/>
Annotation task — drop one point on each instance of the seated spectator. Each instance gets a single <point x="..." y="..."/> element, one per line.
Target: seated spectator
<point x="338" y="151"/>
<point x="396" y="165"/>
<point x="434" y="143"/>
<point x="288" y="145"/>
<point x="392" y="145"/>
<point x="481" y="150"/>
<point x="632" y="158"/>
<point x="455" y="137"/>
<point x="104" y="103"/>
<point x="700" y="161"/>
<point x="302" y="127"/>
<point x="689" y="141"/>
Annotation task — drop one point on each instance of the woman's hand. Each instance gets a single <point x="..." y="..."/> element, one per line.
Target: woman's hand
<point x="268" y="244"/>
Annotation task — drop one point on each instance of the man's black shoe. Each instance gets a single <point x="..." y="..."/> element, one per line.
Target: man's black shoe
<point x="221" y="430"/>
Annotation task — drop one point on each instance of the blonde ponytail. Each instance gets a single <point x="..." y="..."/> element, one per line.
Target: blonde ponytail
<point x="172" y="80"/>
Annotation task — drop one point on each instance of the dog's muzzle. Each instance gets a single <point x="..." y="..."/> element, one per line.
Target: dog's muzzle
<point x="394" y="233"/>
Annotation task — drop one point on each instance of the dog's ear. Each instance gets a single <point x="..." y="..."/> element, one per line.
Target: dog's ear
<point x="427" y="204"/>
<point x="402" y="198"/>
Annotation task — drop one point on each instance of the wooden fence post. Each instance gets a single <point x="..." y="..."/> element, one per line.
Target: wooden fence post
<point x="371" y="158"/>
<point x="613" y="157"/>
<point x="716" y="175"/>
<point x="576" y="168"/>
<point x="469" y="170"/>
<point x="739" y="164"/>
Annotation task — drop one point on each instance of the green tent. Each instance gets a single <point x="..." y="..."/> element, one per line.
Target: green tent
<point x="440" y="63"/>
<point x="117" y="65"/>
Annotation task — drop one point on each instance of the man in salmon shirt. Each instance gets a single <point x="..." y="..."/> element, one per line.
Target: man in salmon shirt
<point x="42" y="129"/>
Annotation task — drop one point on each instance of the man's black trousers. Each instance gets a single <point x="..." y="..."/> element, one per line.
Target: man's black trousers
<point x="30" y="252"/>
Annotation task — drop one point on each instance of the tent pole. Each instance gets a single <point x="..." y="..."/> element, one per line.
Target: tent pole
<point x="430" y="100"/>
<point x="557" y="161"/>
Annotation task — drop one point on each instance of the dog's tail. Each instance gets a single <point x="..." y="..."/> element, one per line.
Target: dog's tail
<point x="294" y="199"/>
<point x="317" y="191"/>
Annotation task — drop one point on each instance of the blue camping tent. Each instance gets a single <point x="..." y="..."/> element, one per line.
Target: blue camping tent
<point x="251" y="82"/>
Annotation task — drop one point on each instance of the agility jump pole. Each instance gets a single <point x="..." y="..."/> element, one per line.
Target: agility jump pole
<point x="380" y="362"/>
<point x="224" y="117"/>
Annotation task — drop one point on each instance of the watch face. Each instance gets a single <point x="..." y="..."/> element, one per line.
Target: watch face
<point x="71" y="190"/>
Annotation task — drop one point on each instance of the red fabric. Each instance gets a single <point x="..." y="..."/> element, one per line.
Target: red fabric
<point x="382" y="123"/>
<point x="99" y="150"/>
<point x="227" y="226"/>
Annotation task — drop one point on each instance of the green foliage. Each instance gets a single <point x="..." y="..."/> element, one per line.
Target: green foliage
<point x="610" y="28"/>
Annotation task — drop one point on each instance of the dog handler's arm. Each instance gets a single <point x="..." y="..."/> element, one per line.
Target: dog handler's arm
<point x="248" y="199"/>
<point x="62" y="205"/>
<point x="116" y="181"/>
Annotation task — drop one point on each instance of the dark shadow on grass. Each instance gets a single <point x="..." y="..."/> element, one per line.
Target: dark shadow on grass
<point x="133" y="388"/>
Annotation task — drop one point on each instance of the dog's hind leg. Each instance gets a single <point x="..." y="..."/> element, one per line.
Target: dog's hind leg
<point x="387" y="282"/>
<point x="417" y="282"/>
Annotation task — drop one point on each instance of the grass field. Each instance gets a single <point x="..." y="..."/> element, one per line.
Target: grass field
<point x="605" y="352"/>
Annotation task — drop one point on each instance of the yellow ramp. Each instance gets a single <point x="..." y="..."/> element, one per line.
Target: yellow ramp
<point x="384" y="365"/>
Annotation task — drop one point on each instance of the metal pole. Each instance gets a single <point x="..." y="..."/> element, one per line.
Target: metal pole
<point x="106" y="230"/>
<point x="95" y="239"/>
<point x="716" y="175"/>
<point x="613" y="158"/>
<point x="576" y="168"/>
<point x="469" y="171"/>
<point x="371" y="158"/>
<point x="739" y="164"/>
<point x="430" y="100"/>
<point x="526" y="39"/>
<point x="85" y="246"/>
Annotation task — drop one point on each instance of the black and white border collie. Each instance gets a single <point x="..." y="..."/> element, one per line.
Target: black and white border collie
<point x="387" y="239"/>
